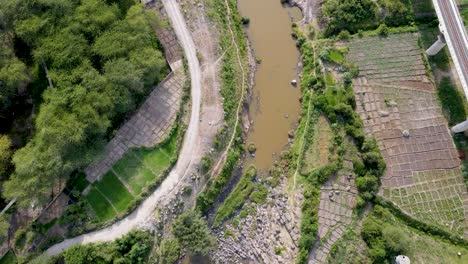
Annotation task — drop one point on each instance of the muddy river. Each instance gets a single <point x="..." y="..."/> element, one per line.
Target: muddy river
<point x="275" y="104"/>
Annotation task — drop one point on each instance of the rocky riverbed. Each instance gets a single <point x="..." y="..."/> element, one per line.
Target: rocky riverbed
<point x="267" y="235"/>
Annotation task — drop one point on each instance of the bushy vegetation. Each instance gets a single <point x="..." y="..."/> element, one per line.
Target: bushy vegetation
<point x="237" y="197"/>
<point x="384" y="241"/>
<point x="132" y="248"/>
<point x="213" y="188"/>
<point x="101" y="61"/>
<point x="389" y="233"/>
<point x="192" y="233"/>
<point x="354" y="15"/>
<point x="452" y="101"/>
<point x="170" y="251"/>
<point x="309" y="224"/>
<point x="247" y="189"/>
<point x="430" y="229"/>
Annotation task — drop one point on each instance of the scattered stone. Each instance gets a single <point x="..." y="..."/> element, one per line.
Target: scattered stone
<point x="384" y="113"/>
<point x="251" y="147"/>
<point x="406" y="133"/>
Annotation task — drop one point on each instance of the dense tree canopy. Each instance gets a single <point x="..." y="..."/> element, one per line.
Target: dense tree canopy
<point x="100" y="58"/>
<point x="14" y="74"/>
<point x="351" y="15"/>
<point x="348" y="14"/>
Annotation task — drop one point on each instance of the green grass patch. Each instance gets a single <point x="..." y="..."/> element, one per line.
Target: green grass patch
<point x="132" y="170"/>
<point x="155" y="160"/>
<point x="336" y="56"/>
<point x="115" y="191"/>
<point x="9" y="258"/>
<point x="142" y="166"/>
<point x="330" y="80"/>
<point x="237" y="197"/>
<point x="452" y="101"/>
<point x="101" y="207"/>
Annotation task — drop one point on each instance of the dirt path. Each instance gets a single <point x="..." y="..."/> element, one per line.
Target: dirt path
<point x="189" y="154"/>
<point x="219" y="165"/>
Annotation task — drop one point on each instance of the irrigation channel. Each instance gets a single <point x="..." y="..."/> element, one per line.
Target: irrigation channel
<point x="275" y="105"/>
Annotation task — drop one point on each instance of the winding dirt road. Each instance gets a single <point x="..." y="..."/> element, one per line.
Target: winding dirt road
<point x="187" y="157"/>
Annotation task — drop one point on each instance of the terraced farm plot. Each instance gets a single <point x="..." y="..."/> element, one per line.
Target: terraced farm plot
<point x="337" y="202"/>
<point x="129" y="177"/>
<point x="399" y="106"/>
<point x="395" y="60"/>
<point x="317" y="152"/>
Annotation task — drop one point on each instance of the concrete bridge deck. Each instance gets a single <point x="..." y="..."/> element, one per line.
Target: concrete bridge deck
<point x="451" y="25"/>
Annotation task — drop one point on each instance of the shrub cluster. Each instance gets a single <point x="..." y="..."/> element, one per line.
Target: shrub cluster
<point x="213" y="188"/>
<point x="132" y="248"/>
<point x="309" y="224"/>
<point x="384" y="240"/>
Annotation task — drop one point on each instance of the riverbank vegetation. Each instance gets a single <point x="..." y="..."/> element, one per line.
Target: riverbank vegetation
<point x="97" y="60"/>
<point x="231" y="91"/>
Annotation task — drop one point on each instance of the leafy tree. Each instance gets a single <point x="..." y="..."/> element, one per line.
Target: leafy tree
<point x="37" y="170"/>
<point x="193" y="233"/>
<point x="5" y="153"/>
<point x="396" y="240"/>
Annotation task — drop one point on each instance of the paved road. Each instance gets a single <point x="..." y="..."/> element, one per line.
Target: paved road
<point x="143" y="213"/>
<point x="456" y="36"/>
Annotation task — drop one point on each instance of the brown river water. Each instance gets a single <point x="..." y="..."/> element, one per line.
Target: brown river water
<point x="275" y="104"/>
